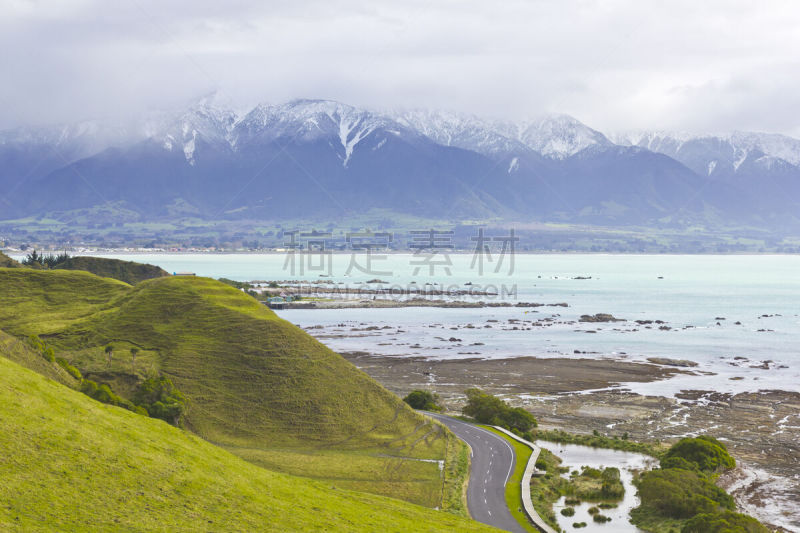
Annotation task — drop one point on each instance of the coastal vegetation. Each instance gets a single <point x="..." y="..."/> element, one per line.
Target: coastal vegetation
<point x="547" y="489"/>
<point x="682" y="496"/>
<point x="488" y="409"/>
<point x="596" y="485"/>
<point x="596" y="440"/>
<point x="424" y="400"/>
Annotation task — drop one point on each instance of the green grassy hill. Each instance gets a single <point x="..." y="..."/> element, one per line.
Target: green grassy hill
<point x="127" y="271"/>
<point x="256" y="384"/>
<point x="70" y="463"/>
<point x="7" y="262"/>
<point x="21" y="353"/>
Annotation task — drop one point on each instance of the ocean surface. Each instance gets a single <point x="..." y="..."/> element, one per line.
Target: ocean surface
<point x="699" y="297"/>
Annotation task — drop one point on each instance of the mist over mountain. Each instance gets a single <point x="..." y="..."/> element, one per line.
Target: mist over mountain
<point x="331" y="160"/>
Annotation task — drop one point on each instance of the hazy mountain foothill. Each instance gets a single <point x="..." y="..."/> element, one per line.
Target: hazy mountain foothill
<point x="246" y="175"/>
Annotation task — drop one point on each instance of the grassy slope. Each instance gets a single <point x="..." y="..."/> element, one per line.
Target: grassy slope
<point x="127" y="271"/>
<point x="73" y="464"/>
<point x="7" y="262"/>
<point x="38" y="302"/>
<point x="256" y="384"/>
<point x="21" y="353"/>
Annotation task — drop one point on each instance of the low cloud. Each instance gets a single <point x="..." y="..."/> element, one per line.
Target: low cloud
<point x="619" y="64"/>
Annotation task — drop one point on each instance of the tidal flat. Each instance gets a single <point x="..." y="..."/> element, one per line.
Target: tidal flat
<point x="762" y="429"/>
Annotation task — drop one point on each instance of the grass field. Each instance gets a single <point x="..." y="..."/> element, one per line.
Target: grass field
<point x="514" y="485"/>
<point x="126" y="271"/>
<point x="70" y="463"/>
<point x="256" y="384"/>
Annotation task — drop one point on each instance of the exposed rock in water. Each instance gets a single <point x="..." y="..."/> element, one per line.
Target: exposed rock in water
<point x="666" y="361"/>
<point x="600" y="317"/>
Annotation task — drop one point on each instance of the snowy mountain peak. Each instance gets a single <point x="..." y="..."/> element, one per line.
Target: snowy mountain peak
<point x="554" y="136"/>
<point x="312" y="119"/>
<point x="559" y="136"/>
<point x="712" y="154"/>
<point x="460" y="130"/>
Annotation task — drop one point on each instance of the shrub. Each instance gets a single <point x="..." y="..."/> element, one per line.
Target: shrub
<point x="578" y="525"/>
<point x="725" y="522"/>
<point x="568" y="511"/>
<point x="71" y="370"/>
<point x="36" y="342"/>
<point x="422" y="399"/>
<point x="679" y="462"/>
<point x="601" y="518"/>
<point x="707" y="453"/>
<point x="678" y="493"/>
<point x="593" y="510"/>
<point x="49" y="354"/>
<point x="103" y="393"/>
<point x="161" y="399"/>
<point x="488" y="409"/>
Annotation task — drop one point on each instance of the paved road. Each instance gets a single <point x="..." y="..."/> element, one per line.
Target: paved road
<point x="492" y="464"/>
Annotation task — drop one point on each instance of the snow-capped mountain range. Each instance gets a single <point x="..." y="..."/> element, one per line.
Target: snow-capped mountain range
<point x="551" y="167"/>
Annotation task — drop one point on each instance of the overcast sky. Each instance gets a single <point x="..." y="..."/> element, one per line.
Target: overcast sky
<point x="614" y="64"/>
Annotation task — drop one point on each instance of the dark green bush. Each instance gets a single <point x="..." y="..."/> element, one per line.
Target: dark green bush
<point x="71" y="370"/>
<point x="601" y="518"/>
<point x="678" y="493"/>
<point x="679" y="462"/>
<point x="422" y="399"/>
<point x="103" y="393"/>
<point x="568" y="511"/>
<point x="49" y="354"/>
<point x="40" y="346"/>
<point x="161" y="399"/>
<point x="488" y="409"/>
<point x="725" y="522"/>
<point x="707" y="453"/>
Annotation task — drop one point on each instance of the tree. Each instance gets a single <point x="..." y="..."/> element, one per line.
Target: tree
<point x="32" y="259"/>
<point x="134" y="352"/>
<point x="422" y="399"/>
<point x="678" y="493"/>
<point x="488" y="409"/>
<point x="161" y="399"/>
<point x="109" y="353"/>
<point x="706" y="452"/>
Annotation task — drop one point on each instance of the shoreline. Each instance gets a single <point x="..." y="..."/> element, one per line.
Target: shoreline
<point x="397" y="252"/>
<point x="762" y="429"/>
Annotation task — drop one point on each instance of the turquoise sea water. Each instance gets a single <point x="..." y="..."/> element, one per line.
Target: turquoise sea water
<point x="695" y="291"/>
